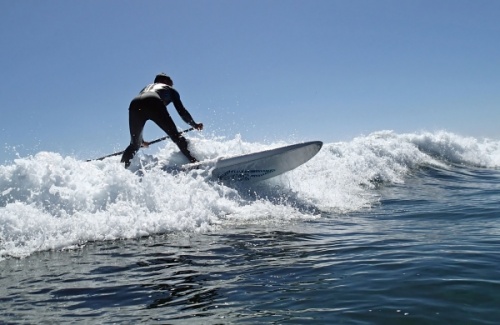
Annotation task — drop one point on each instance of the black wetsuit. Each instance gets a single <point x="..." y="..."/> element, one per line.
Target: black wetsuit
<point x="151" y="104"/>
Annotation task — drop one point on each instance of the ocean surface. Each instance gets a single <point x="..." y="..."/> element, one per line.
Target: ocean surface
<point x="385" y="228"/>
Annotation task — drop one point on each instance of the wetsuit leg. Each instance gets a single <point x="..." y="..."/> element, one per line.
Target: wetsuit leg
<point x="137" y="120"/>
<point x="161" y="117"/>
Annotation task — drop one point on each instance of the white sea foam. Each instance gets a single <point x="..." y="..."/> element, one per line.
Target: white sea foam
<point x="51" y="202"/>
<point x="457" y="149"/>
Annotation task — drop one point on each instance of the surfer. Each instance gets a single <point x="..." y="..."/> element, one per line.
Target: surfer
<point x="151" y="104"/>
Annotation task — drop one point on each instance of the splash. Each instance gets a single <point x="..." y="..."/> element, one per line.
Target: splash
<point x="52" y="202"/>
<point x="456" y="149"/>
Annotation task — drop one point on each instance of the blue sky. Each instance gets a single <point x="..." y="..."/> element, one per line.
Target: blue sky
<point x="268" y="70"/>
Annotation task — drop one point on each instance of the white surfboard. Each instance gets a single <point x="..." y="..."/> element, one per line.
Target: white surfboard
<point x="263" y="165"/>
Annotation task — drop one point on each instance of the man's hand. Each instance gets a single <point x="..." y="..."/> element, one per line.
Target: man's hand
<point x="198" y="126"/>
<point x="145" y="144"/>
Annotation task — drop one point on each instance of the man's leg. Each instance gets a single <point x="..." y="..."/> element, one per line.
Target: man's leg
<point x="165" y="122"/>
<point x="136" y="123"/>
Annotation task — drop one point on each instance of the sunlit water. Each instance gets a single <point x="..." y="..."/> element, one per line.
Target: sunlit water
<point x="384" y="229"/>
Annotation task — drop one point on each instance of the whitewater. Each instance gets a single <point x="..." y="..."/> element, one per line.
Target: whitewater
<point x="52" y="202"/>
<point x="54" y="207"/>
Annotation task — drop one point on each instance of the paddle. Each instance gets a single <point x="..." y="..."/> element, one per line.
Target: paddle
<point x="150" y="143"/>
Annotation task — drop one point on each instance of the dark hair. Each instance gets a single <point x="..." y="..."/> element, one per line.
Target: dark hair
<point x="162" y="78"/>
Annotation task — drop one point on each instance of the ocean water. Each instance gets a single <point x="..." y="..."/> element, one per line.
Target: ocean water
<point x="384" y="229"/>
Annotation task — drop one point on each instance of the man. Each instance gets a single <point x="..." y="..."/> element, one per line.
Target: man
<point x="151" y="104"/>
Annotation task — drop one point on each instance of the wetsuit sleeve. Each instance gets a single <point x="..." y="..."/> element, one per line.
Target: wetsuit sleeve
<point x="183" y="113"/>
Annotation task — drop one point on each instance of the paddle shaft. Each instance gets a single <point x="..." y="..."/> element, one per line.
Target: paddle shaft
<point x="150" y="143"/>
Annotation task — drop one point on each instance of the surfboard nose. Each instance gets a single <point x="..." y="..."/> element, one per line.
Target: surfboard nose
<point x="266" y="164"/>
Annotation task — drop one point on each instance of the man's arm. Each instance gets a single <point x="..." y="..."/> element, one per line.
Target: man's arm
<point x="183" y="112"/>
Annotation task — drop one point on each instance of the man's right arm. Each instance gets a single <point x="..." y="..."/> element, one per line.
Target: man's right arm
<point x="183" y="112"/>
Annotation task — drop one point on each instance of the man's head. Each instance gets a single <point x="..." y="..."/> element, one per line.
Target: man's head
<point x="164" y="79"/>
